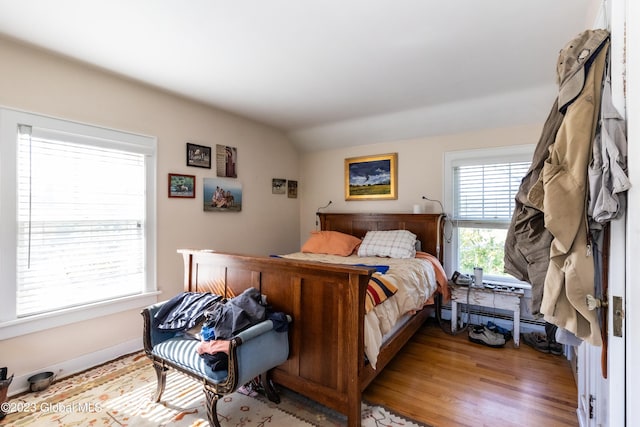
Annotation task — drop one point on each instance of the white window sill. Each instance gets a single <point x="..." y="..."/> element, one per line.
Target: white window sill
<point x="508" y="283"/>
<point x="23" y="326"/>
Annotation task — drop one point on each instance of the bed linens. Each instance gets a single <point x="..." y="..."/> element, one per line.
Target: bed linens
<point x="415" y="279"/>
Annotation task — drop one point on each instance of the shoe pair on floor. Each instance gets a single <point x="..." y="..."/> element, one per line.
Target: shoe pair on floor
<point x="539" y="341"/>
<point x="483" y="335"/>
<point x="499" y="330"/>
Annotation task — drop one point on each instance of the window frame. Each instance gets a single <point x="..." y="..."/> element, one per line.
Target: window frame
<point x="10" y="324"/>
<point x="483" y="156"/>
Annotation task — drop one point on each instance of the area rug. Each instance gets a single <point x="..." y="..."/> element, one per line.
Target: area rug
<point x="119" y="393"/>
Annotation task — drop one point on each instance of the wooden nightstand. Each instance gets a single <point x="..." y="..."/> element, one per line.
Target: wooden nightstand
<point x="493" y="298"/>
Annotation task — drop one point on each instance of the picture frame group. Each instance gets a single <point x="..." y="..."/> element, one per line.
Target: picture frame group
<point x="282" y="186"/>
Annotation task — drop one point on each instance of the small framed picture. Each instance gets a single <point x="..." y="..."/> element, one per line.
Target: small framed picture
<point x="198" y="156"/>
<point x="226" y="161"/>
<point x="278" y="185"/>
<point x="182" y="186"/>
<point x="292" y="189"/>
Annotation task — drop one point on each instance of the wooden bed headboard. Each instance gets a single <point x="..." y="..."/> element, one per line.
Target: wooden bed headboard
<point x="428" y="227"/>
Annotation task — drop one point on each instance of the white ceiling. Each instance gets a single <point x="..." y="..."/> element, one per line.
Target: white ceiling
<point x="327" y="72"/>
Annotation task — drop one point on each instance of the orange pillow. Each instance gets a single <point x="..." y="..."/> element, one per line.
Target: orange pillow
<point x="331" y="242"/>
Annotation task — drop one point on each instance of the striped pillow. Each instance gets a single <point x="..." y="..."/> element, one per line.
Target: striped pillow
<point x="378" y="290"/>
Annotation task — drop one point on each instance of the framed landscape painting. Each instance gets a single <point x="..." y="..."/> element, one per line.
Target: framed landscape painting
<point x="371" y="177"/>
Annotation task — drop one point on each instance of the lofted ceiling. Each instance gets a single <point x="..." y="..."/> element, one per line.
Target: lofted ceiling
<point x="329" y="73"/>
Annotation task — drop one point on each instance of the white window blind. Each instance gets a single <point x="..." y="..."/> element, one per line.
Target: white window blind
<point x="485" y="192"/>
<point x="80" y="221"/>
<point x="480" y="189"/>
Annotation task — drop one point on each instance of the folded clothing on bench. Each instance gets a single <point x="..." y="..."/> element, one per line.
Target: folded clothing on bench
<point x="184" y="310"/>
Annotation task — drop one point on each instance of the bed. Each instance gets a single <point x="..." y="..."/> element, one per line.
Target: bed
<point x="328" y="362"/>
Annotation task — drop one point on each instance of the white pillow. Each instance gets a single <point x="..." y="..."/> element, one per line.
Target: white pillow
<point x="391" y="243"/>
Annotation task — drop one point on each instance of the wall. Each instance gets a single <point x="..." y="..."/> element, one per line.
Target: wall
<point x="36" y="81"/>
<point x="420" y="171"/>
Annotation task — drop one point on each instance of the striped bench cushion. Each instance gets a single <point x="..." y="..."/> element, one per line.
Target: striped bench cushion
<point x="182" y="351"/>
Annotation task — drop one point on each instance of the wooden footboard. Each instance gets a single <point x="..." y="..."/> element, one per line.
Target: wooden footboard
<point x="327" y="305"/>
<point x="327" y="362"/>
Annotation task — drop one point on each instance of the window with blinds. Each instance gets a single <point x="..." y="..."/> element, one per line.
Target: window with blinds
<point x="486" y="192"/>
<point x="79" y="213"/>
<point x="480" y="188"/>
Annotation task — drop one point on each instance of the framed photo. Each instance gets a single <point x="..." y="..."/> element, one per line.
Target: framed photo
<point x="278" y="185"/>
<point x="182" y="186"/>
<point x="292" y="189"/>
<point x="198" y="156"/>
<point x="222" y="195"/>
<point x="226" y="161"/>
<point x="371" y="177"/>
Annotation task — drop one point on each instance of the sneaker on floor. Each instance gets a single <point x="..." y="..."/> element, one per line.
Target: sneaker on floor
<point x="555" y="348"/>
<point x="537" y="341"/>
<point x="482" y="335"/>
<point x="499" y="330"/>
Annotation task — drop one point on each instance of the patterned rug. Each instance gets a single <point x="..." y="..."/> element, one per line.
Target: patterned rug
<point x="119" y="393"/>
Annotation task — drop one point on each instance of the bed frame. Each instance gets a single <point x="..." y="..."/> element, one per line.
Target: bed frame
<point x="327" y="361"/>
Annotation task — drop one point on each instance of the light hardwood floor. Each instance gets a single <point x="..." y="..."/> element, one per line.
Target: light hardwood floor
<point x="446" y="380"/>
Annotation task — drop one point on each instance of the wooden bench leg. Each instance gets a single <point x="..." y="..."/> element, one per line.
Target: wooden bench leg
<point x="211" y="401"/>
<point x="269" y="389"/>
<point x="161" y="374"/>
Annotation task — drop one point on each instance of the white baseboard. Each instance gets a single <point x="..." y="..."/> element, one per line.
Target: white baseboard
<point x="78" y="364"/>
<point x="479" y="317"/>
